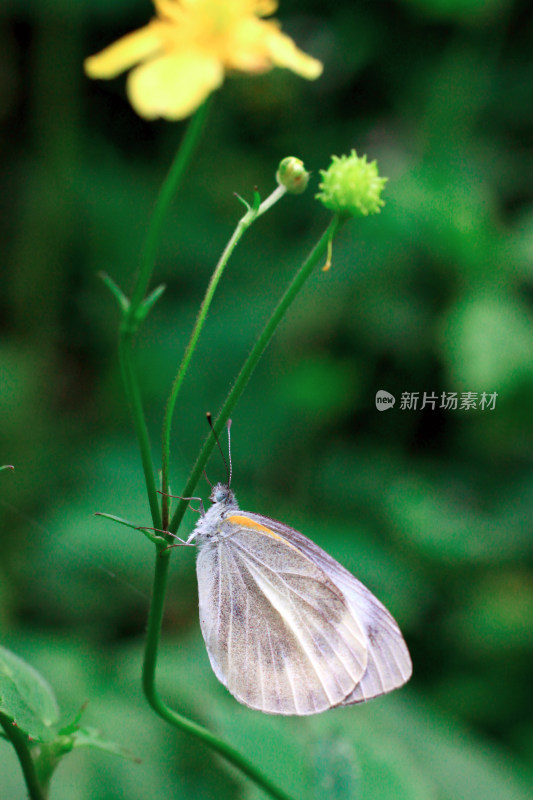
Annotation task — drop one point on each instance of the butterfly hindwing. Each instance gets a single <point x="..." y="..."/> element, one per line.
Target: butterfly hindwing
<point x="388" y="661"/>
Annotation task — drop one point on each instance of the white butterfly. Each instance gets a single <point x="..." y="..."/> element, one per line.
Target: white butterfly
<point x="288" y="630"/>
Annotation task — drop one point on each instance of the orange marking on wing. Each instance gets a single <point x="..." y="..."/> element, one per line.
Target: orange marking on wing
<point x="246" y="522"/>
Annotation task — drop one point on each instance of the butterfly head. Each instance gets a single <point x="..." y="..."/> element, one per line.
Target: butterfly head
<point x="222" y="494"/>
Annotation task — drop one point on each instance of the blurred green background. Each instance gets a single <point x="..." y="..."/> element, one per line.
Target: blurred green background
<point x="431" y="509"/>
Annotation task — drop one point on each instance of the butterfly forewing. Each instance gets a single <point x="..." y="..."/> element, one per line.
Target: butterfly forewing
<point x="280" y="634"/>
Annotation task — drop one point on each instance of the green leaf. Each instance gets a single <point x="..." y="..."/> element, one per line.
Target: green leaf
<point x="90" y="737"/>
<point x="26" y="698"/>
<point x="116" y="291"/>
<point x="149" y="302"/>
<point x="74" y="725"/>
<point x="257" y="200"/>
<point x="146" y="531"/>
<point x="243" y="201"/>
<point x="120" y="520"/>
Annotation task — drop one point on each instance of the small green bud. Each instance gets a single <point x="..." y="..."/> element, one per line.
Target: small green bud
<point x="351" y="186"/>
<point x="292" y="175"/>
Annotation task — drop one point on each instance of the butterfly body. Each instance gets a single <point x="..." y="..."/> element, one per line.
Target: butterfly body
<point x="288" y="630"/>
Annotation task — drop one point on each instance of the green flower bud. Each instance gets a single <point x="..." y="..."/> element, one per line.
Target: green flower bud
<point x="351" y="186"/>
<point x="292" y="175"/>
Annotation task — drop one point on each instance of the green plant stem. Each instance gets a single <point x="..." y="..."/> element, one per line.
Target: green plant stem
<point x="244" y="223"/>
<point x="27" y="763"/>
<point x="130" y="319"/>
<point x="251" y="362"/>
<point x="166" y="193"/>
<point x="163" y="554"/>
<point x="225" y="750"/>
<point x="133" y="393"/>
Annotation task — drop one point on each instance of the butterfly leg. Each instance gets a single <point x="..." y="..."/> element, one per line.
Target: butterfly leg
<point x="200" y="510"/>
<point x="181" y="542"/>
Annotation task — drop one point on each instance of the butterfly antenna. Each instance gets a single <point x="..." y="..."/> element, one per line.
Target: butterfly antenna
<point x="228" y="468"/>
<point x="228" y="425"/>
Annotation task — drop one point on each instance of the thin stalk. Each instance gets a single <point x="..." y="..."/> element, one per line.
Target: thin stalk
<point x="244" y="223"/>
<point x="130" y="321"/>
<point x="251" y="362"/>
<point x="163" y="554"/>
<point x="133" y="393"/>
<point x="27" y="763"/>
<point x="162" y="560"/>
<point x="166" y="193"/>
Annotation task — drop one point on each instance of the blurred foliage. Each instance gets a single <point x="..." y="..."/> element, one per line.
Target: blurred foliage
<point x="28" y="703"/>
<point x="430" y="508"/>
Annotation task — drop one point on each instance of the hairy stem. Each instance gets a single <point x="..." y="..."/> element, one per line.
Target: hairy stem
<point x="23" y="751"/>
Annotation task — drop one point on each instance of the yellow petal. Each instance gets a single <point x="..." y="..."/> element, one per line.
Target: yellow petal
<point x="125" y="53"/>
<point x="170" y="9"/>
<point x="245" y="48"/>
<point x="264" y="8"/>
<point x="173" y="86"/>
<point x="284" y="53"/>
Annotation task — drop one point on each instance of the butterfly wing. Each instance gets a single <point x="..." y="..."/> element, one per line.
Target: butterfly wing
<point x="388" y="661"/>
<point x="280" y="635"/>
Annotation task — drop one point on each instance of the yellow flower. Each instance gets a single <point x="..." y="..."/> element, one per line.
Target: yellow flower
<point x="181" y="56"/>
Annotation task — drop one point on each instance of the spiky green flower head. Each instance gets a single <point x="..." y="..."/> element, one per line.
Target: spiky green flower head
<point x="351" y="186"/>
<point x="292" y="175"/>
